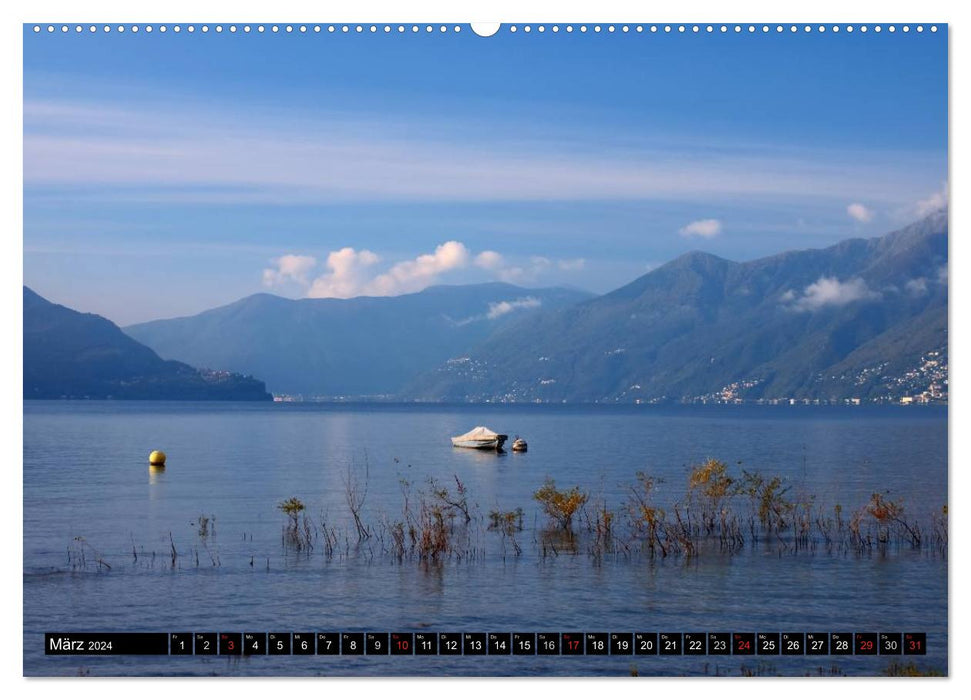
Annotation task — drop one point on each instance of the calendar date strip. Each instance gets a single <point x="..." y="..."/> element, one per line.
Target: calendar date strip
<point x="485" y="643"/>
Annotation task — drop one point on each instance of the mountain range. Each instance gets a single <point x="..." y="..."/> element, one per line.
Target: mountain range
<point x="863" y="319"/>
<point x="68" y="354"/>
<point x="848" y="321"/>
<point x="366" y="346"/>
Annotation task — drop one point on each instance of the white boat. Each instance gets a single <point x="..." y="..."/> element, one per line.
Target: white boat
<point x="480" y="438"/>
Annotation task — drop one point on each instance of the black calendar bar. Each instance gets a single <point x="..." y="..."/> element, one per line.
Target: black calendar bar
<point x="414" y="644"/>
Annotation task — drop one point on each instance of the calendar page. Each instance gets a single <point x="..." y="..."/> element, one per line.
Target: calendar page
<point x="524" y="349"/>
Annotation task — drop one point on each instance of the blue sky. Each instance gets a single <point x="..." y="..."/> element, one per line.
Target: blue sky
<point x="167" y="174"/>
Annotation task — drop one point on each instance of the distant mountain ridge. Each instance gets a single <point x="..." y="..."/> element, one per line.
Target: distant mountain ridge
<point x="68" y="354"/>
<point x="365" y="346"/>
<point x="814" y="324"/>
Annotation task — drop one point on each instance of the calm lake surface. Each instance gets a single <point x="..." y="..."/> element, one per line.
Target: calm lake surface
<point x="86" y="475"/>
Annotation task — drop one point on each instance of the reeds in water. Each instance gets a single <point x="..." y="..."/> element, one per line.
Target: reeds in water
<point x="719" y="511"/>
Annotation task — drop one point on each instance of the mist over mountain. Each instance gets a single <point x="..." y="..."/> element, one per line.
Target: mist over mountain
<point x="68" y="354"/>
<point x="858" y="319"/>
<point x="366" y="346"/>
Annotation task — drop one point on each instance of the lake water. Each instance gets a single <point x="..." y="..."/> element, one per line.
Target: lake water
<point x="86" y="476"/>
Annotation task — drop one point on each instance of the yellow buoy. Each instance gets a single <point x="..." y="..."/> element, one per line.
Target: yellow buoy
<point x="157" y="458"/>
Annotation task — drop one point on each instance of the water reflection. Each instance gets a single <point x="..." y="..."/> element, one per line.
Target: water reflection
<point x="155" y="475"/>
<point x="486" y="458"/>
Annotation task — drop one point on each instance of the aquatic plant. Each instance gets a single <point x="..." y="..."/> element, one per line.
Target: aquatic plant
<point x="647" y="519"/>
<point x="719" y="511"/>
<point x="768" y="498"/>
<point x="355" y="495"/>
<point x="561" y="506"/>
<point x="508" y="521"/>
<point x="80" y="552"/>
<point x="709" y="484"/>
<point x="940" y="529"/>
<point x="435" y="524"/>
<point x="330" y="536"/>
<point x="206" y="532"/>
<point x="890" y="513"/>
<point x="458" y="501"/>
<point x="438" y="533"/>
<point x="292" y="507"/>
<point x="297" y="533"/>
<point x="431" y="533"/>
<point x="202" y="523"/>
<point x="397" y="531"/>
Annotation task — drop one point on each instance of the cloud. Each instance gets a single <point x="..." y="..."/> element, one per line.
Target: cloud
<point x="859" y="212"/>
<point x="489" y="260"/>
<point x="183" y="151"/>
<point x="415" y="275"/>
<point x="352" y="273"/>
<point x="933" y="203"/>
<point x="501" y="308"/>
<point x="527" y="271"/>
<point x="917" y="286"/>
<point x="498" y="309"/>
<point x="706" y="228"/>
<point x="293" y="268"/>
<point x="829" y="291"/>
<point x="348" y="274"/>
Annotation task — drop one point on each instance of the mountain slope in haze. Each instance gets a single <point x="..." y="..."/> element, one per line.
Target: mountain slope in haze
<point x="346" y="347"/>
<point x="825" y="324"/>
<point x="68" y="354"/>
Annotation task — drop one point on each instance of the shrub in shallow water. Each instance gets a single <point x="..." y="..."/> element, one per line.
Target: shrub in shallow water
<point x="561" y="506"/>
<point x="452" y="503"/>
<point x="890" y="514"/>
<point x="647" y="520"/>
<point x="710" y="479"/>
<point x="768" y="498"/>
<point x="709" y="483"/>
<point x="292" y="507"/>
<point x="296" y="535"/>
<point x="508" y="521"/>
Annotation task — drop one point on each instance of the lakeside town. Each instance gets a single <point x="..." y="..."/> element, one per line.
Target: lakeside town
<point x="924" y="384"/>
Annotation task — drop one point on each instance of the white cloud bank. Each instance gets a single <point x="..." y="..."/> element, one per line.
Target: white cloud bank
<point x="352" y="273"/>
<point x="705" y="228"/>
<point x="528" y="271"/>
<point x="347" y="276"/>
<point x="933" y="203"/>
<point x="918" y="286"/>
<point x="859" y="212"/>
<point x="289" y="268"/>
<point x="415" y="275"/>
<point x="501" y="308"/>
<point x="489" y="260"/>
<point x="829" y="291"/>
